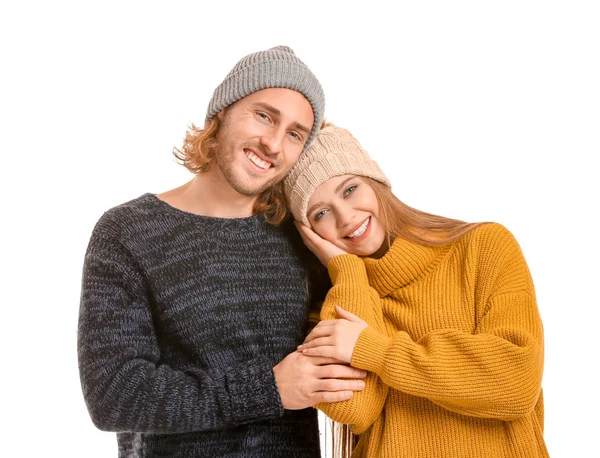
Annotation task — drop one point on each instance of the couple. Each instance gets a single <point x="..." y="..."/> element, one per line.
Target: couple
<point x="193" y="330"/>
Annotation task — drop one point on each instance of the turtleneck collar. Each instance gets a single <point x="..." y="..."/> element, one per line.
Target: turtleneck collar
<point x="404" y="263"/>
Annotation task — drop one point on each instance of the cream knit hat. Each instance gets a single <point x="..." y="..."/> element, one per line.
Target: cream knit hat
<point x="334" y="152"/>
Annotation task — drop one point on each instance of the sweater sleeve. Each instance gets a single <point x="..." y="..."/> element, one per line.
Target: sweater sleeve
<point x="352" y="292"/>
<point x="126" y="386"/>
<point x="494" y="372"/>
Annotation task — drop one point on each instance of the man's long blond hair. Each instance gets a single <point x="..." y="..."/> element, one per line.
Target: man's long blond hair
<point x="197" y="154"/>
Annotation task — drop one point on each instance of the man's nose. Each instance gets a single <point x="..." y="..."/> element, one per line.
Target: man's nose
<point x="273" y="141"/>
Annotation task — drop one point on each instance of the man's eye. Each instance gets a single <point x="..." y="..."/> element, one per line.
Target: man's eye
<point x="295" y="135"/>
<point x="263" y="116"/>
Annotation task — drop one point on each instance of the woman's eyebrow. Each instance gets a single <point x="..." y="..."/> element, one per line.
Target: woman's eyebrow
<point x="310" y="210"/>
<point x="339" y="186"/>
<point x="337" y="189"/>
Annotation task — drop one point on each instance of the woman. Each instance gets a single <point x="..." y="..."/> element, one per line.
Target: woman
<point x="442" y="314"/>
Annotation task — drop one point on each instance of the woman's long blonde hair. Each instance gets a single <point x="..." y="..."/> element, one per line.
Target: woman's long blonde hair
<point x="197" y="153"/>
<point x="414" y="225"/>
<point x="401" y="221"/>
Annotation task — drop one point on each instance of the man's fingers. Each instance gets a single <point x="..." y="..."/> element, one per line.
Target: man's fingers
<point x="335" y="396"/>
<point x="333" y="384"/>
<point x="302" y="380"/>
<point x="340" y="371"/>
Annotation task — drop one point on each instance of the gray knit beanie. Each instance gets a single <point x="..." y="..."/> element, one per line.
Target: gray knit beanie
<point x="275" y="67"/>
<point x="334" y="152"/>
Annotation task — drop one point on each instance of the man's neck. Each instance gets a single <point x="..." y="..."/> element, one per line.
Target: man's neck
<point x="207" y="195"/>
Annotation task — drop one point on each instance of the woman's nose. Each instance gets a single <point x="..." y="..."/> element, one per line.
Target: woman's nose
<point x="345" y="215"/>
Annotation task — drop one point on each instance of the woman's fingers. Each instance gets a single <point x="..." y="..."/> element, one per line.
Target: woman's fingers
<point x="322" y="329"/>
<point x="346" y="315"/>
<point x="326" y="323"/>
<point x="326" y="351"/>
<point x="309" y="237"/>
<point x="318" y="342"/>
<point x="323" y="249"/>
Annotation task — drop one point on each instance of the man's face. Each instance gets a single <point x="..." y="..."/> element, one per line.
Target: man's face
<point x="260" y="138"/>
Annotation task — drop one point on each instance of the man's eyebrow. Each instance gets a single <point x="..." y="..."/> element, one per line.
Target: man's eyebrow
<point x="302" y="128"/>
<point x="267" y="107"/>
<point x="270" y="108"/>
<point x="337" y="189"/>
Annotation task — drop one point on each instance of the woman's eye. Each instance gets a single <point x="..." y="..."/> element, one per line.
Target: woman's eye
<point x="350" y="190"/>
<point x="320" y="215"/>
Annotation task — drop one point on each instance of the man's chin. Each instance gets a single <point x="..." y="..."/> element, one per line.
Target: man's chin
<point x="253" y="192"/>
<point x="258" y="190"/>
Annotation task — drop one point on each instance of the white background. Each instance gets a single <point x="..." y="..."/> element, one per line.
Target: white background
<point x="477" y="110"/>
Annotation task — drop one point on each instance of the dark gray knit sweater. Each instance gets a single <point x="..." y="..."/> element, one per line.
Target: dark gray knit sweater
<point x="182" y="319"/>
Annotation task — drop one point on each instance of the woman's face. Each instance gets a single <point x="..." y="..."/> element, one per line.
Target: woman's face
<point x="344" y="211"/>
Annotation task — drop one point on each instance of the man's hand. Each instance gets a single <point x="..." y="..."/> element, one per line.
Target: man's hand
<point x="322" y="249"/>
<point x="304" y="381"/>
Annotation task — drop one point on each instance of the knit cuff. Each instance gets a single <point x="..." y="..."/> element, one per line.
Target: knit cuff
<point x="369" y="352"/>
<point x="347" y="268"/>
<point x="253" y="392"/>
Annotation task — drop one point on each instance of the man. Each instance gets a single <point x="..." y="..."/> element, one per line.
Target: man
<point x="193" y="303"/>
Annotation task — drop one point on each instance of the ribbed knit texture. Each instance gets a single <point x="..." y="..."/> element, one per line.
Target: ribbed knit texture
<point x="461" y="349"/>
<point x="275" y="67"/>
<point x="182" y="319"/>
<point x="334" y="152"/>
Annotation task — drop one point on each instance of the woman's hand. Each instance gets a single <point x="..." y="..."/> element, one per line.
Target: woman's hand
<point x="334" y="338"/>
<point x="323" y="249"/>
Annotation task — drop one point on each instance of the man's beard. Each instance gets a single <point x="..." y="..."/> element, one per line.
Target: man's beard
<point x="223" y="156"/>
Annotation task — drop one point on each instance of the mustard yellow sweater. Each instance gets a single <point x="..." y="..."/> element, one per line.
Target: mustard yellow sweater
<point x="454" y="349"/>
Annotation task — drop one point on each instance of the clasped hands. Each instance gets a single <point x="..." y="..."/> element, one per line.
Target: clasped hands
<point x="319" y="371"/>
<point x="330" y="338"/>
<point x="334" y="338"/>
<point x="307" y="377"/>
